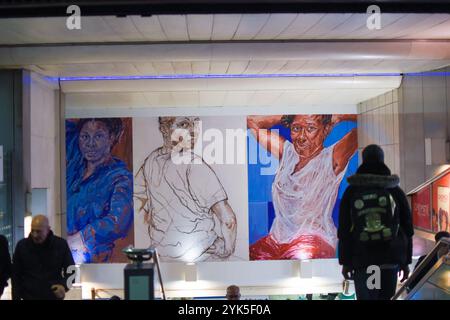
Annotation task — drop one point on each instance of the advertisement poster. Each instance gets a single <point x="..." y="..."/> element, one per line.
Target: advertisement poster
<point x="421" y="208"/>
<point x="443" y="208"/>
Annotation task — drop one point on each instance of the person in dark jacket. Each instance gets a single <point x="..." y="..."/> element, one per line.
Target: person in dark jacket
<point x="391" y="257"/>
<point x="5" y="263"/>
<point x="40" y="264"/>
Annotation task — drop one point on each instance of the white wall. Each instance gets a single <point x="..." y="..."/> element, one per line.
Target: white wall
<point x="255" y="278"/>
<point x="41" y="143"/>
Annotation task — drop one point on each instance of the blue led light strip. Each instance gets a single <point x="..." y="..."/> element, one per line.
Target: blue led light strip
<point x="251" y="76"/>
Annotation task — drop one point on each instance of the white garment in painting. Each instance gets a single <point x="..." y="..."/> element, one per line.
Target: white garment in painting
<point x="179" y="200"/>
<point x="304" y="200"/>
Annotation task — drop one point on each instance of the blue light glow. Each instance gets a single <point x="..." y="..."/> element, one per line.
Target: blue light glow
<point x="250" y="76"/>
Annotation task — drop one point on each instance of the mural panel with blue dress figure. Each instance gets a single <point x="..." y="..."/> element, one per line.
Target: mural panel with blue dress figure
<point x="99" y="183"/>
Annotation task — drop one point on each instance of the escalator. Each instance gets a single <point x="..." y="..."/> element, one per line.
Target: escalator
<point x="431" y="279"/>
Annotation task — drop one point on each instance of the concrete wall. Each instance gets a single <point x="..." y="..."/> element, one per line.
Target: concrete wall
<point x="424" y="115"/>
<point x="411" y="123"/>
<point x="378" y="124"/>
<point x="41" y="144"/>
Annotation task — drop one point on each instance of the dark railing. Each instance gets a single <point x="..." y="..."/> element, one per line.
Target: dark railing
<point x="413" y="283"/>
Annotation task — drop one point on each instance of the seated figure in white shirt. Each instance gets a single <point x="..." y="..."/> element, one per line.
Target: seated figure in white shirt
<point x="185" y="205"/>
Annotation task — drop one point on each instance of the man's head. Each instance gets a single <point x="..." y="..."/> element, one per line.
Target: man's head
<point x="233" y="293"/>
<point x="179" y="132"/>
<point x="40" y="229"/>
<point x="441" y="234"/>
<point x="308" y="132"/>
<point x="443" y="250"/>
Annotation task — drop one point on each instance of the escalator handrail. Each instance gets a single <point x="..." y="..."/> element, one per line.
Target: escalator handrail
<point x="421" y="266"/>
<point x="418" y="286"/>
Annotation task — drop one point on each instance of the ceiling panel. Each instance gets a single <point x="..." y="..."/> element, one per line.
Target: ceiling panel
<point x="164" y="68"/>
<point x="123" y="28"/>
<point x="200" y="67"/>
<point x="250" y="25"/>
<point x="290" y="98"/>
<point x="264" y="98"/>
<point x="145" y="68"/>
<point x="174" y="27"/>
<point x="401" y="24"/>
<point x="427" y="23"/>
<point x="255" y="67"/>
<point x="275" y="25"/>
<point x="182" y="67"/>
<point x="218" y="67"/>
<point x="155" y="99"/>
<point x="237" y="67"/>
<point x="200" y="27"/>
<point x="150" y="28"/>
<point x="237" y="98"/>
<point x="300" y="25"/>
<point x="325" y="25"/>
<point x="212" y="98"/>
<point x="220" y="27"/>
<point x="225" y="26"/>
<point x="296" y="98"/>
<point x="346" y="28"/>
<point x="273" y="66"/>
<point x="292" y="66"/>
<point x="185" y="99"/>
<point x="441" y="31"/>
<point x="241" y="67"/>
<point x="365" y="33"/>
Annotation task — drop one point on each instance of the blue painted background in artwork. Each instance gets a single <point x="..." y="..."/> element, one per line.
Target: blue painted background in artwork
<point x="261" y="211"/>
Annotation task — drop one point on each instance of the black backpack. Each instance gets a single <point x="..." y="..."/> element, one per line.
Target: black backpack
<point x="374" y="216"/>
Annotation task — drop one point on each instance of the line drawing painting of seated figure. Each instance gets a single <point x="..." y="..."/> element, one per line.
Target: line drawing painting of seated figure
<point x="184" y="204"/>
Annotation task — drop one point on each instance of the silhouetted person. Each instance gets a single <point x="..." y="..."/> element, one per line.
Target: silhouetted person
<point x="39" y="263"/>
<point x="233" y="293"/>
<point x="5" y="263"/>
<point x="375" y="228"/>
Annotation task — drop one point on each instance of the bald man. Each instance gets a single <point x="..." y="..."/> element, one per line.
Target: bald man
<point x="40" y="264"/>
<point x="233" y="293"/>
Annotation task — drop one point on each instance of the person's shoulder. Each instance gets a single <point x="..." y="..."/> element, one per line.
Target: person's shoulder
<point x="22" y="243"/>
<point x="198" y="166"/>
<point x="152" y="156"/>
<point x="59" y="240"/>
<point x="3" y="239"/>
<point x="398" y="192"/>
<point x="119" y="169"/>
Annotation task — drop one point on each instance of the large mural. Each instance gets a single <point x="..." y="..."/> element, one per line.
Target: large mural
<point x="293" y="211"/>
<point x="216" y="188"/>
